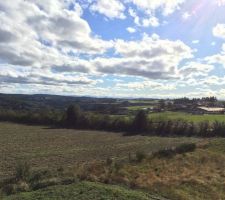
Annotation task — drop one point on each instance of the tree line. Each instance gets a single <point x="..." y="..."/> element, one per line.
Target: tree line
<point x="74" y="118"/>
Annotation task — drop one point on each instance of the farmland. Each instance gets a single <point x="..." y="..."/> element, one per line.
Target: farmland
<point x="44" y="147"/>
<point x="186" y="116"/>
<point x="195" y="175"/>
<point x="169" y="115"/>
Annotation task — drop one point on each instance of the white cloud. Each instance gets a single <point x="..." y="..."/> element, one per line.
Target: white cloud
<point x="186" y="16"/>
<point x="131" y="29"/>
<point x="152" y="21"/>
<point x="167" y="7"/>
<point x="145" y="22"/>
<point x="34" y="33"/>
<point x="12" y="75"/>
<point x="49" y="45"/>
<point x="35" y="36"/>
<point x="213" y="80"/>
<point x="217" y="58"/>
<point x="195" y="69"/>
<point x="152" y="46"/>
<point x="111" y="9"/>
<point x="150" y="57"/>
<point x="195" y="42"/>
<point x="220" y="2"/>
<point x="213" y="43"/>
<point x="150" y="85"/>
<point x="135" y="16"/>
<point x="219" y="31"/>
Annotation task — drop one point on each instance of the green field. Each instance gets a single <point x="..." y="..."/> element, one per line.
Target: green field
<point x="134" y="108"/>
<point x="84" y="191"/>
<point x="50" y="148"/>
<point x="186" y="116"/>
<point x="144" y="101"/>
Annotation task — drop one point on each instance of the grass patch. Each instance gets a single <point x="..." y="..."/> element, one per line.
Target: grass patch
<point x="190" y="173"/>
<point x="83" y="191"/>
<point x="186" y="116"/>
<point x="135" y="108"/>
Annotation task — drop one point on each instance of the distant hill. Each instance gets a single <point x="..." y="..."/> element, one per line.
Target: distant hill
<point x="42" y="101"/>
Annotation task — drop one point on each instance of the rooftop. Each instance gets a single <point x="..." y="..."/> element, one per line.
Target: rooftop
<point x="212" y="109"/>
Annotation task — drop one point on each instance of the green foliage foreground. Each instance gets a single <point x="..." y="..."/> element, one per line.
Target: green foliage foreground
<point x="83" y="191"/>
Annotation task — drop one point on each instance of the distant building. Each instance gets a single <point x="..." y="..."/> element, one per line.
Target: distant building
<point x="209" y="110"/>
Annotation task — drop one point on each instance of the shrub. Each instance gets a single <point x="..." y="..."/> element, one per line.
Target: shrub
<point x="22" y="186"/>
<point x="9" y="189"/>
<point x="46" y="183"/>
<point x="130" y="158"/>
<point x="117" y="166"/>
<point x="140" y="123"/>
<point x="23" y="171"/>
<point x="109" y="161"/>
<point x="37" y="176"/>
<point x="165" y="153"/>
<point x="184" y="148"/>
<point x="140" y="156"/>
<point x="73" y="115"/>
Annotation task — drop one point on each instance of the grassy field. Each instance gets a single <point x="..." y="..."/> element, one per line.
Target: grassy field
<point x="135" y="108"/>
<point x="197" y="175"/>
<point x="84" y="191"/>
<point x="186" y="116"/>
<point x="144" y="101"/>
<point x="49" y="148"/>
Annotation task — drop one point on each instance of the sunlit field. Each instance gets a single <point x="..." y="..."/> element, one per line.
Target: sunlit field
<point x="186" y="116"/>
<point x="50" y="148"/>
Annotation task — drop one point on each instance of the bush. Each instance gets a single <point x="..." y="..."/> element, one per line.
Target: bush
<point x="9" y="189"/>
<point x="169" y="153"/>
<point x="22" y="186"/>
<point x="73" y="115"/>
<point x="184" y="148"/>
<point x="165" y="153"/>
<point x="117" y="166"/>
<point x="23" y="172"/>
<point x="46" y="183"/>
<point x="140" y="123"/>
<point x="37" y="176"/>
<point x="140" y="156"/>
<point x="109" y="161"/>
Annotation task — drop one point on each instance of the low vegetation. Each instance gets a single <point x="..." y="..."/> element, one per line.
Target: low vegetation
<point x="51" y="148"/>
<point x="192" y="172"/>
<point x="84" y="191"/>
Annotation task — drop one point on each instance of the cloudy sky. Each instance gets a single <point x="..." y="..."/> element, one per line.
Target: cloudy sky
<point x="114" y="48"/>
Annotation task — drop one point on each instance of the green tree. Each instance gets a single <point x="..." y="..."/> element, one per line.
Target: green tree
<point x="162" y="104"/>
<point x="140" y="122"/>
<point x="73" y="115"/>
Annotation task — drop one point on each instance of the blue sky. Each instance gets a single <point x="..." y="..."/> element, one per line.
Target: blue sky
<point x="114" y="48"/>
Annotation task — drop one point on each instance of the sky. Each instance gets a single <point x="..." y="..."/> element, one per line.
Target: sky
<point x="113" y="48"/>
